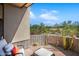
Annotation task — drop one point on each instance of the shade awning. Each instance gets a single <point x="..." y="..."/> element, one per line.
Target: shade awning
<point x="21" y="4"/>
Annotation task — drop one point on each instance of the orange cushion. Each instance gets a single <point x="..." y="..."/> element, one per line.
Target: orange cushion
<point x="15" y="51"/>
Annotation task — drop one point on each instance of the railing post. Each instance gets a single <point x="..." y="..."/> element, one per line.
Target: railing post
<point x="46" y="40"/>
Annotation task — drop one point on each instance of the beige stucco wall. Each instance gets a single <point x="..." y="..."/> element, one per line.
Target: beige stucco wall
<point x="16" y="24"/>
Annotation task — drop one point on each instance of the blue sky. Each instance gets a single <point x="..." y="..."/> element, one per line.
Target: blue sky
<point x="52" y="13"/>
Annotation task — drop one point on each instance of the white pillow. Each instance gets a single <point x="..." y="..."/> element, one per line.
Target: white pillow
<point x="2" y="52"/>
<point x="2" y="43"/>
<point x="43" y="52"/>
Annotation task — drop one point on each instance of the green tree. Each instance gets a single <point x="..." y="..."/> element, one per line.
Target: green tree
<point x="39" y="29"/>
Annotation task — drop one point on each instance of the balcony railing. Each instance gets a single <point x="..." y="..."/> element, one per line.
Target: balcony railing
<point x="56" y="40"/>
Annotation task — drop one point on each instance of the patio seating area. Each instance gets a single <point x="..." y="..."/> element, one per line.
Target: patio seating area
<point x="56" y="50"/>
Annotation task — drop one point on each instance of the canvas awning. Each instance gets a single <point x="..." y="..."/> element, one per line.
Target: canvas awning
<point x="21" y="4"/>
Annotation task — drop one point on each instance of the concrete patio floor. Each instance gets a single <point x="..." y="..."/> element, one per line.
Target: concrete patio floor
<point x="56" y="50"/>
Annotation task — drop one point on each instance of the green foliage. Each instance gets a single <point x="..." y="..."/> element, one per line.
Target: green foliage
<point x="39" y="29"/>
<point x="68" y="28"/>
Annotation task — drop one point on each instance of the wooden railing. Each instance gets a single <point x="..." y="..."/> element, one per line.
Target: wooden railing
<point x="37" y="39"/>
<point x="53" y="39"/>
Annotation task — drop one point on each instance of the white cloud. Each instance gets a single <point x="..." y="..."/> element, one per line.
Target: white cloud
<point x="48" y="16"/>
<point x="44" y="10"/>
<point x="32" y="15"/>
<point x="54" y="11"/>
<point x="50" y="22"/>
